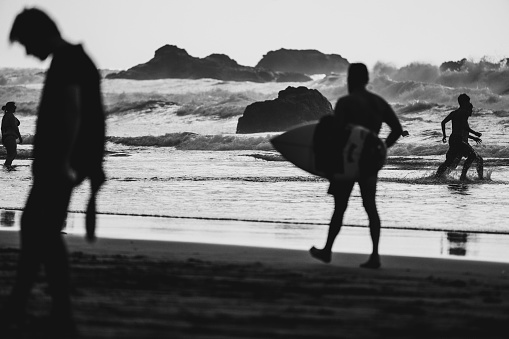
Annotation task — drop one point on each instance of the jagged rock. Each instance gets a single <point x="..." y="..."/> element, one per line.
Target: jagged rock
<point x="293" y="106"/>
<point x="303" y="61"/>
<point x="454" y="66"/>
<point x="173" y="62"/>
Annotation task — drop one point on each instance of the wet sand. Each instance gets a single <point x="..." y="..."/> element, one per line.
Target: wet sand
<point x="158" y="289"/>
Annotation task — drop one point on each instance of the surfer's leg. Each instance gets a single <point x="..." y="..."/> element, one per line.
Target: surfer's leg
<point x="341" y="191"/>
<point x="368" y="193"/>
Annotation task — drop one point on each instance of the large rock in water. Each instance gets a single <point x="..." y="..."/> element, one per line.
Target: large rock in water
<point x="293" y="106"/>
<point x="303" y="61"/>
<point x="173" y="62"/>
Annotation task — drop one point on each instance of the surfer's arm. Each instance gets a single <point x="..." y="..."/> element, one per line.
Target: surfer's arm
<point x="396" y="130"/>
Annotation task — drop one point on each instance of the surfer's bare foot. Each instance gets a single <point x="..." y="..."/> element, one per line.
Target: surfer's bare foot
<point x="322" y="255"/>
<point x="373" y="262"/>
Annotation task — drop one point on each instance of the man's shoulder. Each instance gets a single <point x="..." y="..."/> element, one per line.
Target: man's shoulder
<point x="458" y="113"/>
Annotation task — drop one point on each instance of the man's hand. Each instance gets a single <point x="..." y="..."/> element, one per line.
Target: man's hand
<point x="477" y="140"/>
<point x="478" y="134"/>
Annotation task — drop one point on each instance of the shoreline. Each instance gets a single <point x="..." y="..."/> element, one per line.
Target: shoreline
<point x="401" y="242"/>
<point x="125" y="288"/>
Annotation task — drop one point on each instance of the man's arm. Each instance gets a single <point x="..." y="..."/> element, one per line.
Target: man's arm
<point x="476" y="139"/>
<point x="474" y="132"/>
<point x="71" y="122"/>
<point x="445" y="121"/>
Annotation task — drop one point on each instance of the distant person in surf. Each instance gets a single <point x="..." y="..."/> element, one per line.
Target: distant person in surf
<point x="458" y="141"/>
<point x="359" y="107"/>
<point x="10" y="132"/>
<point x="68" y="148"/>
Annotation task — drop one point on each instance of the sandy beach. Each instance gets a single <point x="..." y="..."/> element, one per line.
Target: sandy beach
<point x="125" y="288"/>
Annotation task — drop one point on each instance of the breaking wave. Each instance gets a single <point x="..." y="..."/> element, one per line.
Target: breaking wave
<point x="193" y="141"/>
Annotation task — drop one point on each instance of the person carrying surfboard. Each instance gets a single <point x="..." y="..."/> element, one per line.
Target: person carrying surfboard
<point x="359" y="107"/>
<point x="10" y="132"/>
<point x="458" y="141"/>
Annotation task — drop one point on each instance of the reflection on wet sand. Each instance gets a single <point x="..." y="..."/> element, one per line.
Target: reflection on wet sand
<point x="457" y="242"/>
<point x="7" y="218"/>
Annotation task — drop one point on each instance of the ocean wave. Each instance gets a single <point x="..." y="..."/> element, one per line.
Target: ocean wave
<point x="139" y="106"/>
<point x="193" y="141"/>
<point x="430" y="149"/>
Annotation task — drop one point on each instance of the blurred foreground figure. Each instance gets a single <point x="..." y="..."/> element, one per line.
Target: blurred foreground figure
<point x="68" y="148"/>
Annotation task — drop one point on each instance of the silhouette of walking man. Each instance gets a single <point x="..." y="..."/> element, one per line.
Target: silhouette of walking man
<point x="10" y="132"/>
<point x="458" y="141"/>
<point x="359" y="107"/>
<point x="68" y="148"/>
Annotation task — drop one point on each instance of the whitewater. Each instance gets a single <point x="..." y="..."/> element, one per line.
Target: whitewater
<point x="172" y="152"/>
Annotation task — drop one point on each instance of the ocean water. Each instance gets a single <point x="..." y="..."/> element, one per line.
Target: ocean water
<point x="172" y="152"/>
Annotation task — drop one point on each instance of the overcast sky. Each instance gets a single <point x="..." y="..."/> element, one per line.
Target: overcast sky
<point x="119" y="34"/>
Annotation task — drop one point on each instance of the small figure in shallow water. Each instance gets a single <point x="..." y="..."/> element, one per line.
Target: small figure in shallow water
<point x="10" y="132"/>
<point x="458" y="141"/>
<point x="359" y="107"/>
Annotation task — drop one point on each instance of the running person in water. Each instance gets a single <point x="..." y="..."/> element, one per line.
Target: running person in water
<point x="458" y="141"/>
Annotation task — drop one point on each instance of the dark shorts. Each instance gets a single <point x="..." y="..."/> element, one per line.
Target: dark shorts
<point x="342" y="187"/>
<point x="459" y="148"/>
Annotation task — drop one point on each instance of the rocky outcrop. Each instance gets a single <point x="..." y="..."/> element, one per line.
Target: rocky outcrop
<point x="173" y="62"/>
<point x="293" y="106"/>
<point x="303" y="61"/>
<point x="453" y="66"/>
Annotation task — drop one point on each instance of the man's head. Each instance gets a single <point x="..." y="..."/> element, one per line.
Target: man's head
<point x="358" y="76"/>
<point x="34" y="29"/>
<point x="464" y="100"/>
<point x="470" y="109"/>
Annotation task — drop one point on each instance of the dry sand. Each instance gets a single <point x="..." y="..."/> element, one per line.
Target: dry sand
<point x="150" y="289"/>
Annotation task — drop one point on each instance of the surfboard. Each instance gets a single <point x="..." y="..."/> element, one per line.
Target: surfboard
<point x="296" y="146"/>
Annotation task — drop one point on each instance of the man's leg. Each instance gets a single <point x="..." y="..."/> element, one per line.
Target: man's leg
<point x="472" y="155"/>
<point x="56" y="262"/>
<point x="452" y="158"/>
<point x="29" y="262"/>
<point x="341" y="192"/>
<point x="368" y="193"/>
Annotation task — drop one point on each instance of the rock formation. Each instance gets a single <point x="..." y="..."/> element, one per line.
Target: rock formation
<point x="303" y="61"/>
<point x="173" y="62"/>
<point x="293" y="106"/>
